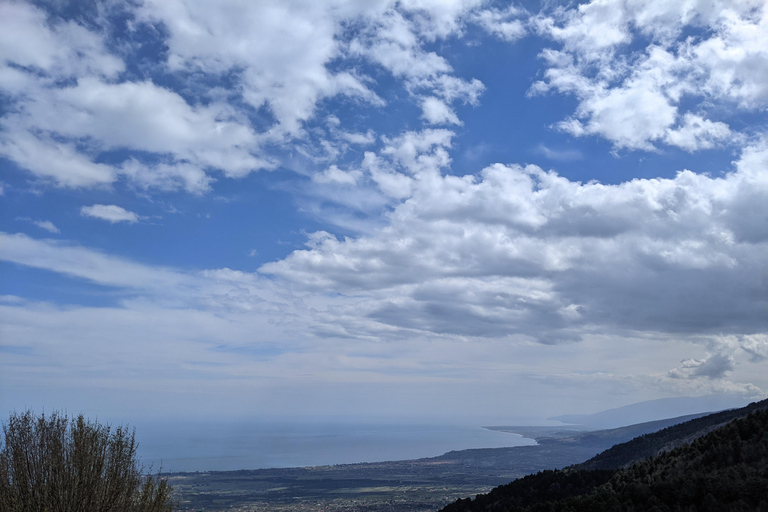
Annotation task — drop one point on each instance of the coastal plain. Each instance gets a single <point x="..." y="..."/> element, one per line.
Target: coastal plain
<point x="418" y="485"/>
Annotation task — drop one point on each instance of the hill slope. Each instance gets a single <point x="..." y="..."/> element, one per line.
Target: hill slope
<point x="722" y="469"/>
<point x="648" y="445"/>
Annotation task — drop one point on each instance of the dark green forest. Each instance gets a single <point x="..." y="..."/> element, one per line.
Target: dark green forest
<point x="722" y="468"/>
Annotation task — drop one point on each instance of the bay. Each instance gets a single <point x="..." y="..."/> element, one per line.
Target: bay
<point x="205" y="446"/>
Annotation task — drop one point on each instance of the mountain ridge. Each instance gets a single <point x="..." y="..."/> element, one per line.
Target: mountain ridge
<point x="717" y="462"/>
<point x="652" y="410"/>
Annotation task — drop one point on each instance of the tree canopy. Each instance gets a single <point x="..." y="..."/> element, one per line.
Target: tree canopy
<point x="54" y="463"/>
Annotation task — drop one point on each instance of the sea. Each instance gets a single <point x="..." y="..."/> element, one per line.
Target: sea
<point x="199" y="446"/>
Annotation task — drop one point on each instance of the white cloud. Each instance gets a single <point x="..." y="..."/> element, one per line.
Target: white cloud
<point x="512" y="259"/>
<point x="139" y="285"/>
<point x="57" y="131"/>
<point x="87" y="264"/>
<point x="562" y="155"/>
<point x="735" y="59"/>
<point x="58" y="50"/>
<point x="451" y="88"/>
<point x="439" y="18"/>
<point x="109" y="212"/>
<point x="145" y="117"/>
<point x="633" y="97"/>
<point x="361" y="139"/>
<point x="520" y="250"/>
<point x="632" y="115"/>
<point x="47" y="225"/>
<point x="151" y="118"/>
<point x="72" y="105"/>
<point x="56" y="161"/>
<point x="184" y="315"/>
<point x="590" y="29"/>
<point x="281" y="47"/>
<point x="335" y="175"/>
<point x="435" y="111"/>
<point x="392" y="42"/>
<point x="697" y="133"/>
<point x="168" y="177"/>
<point x="420" y="152"/>
<point x="353" y="198"/>
<point x="50" y="52"/>
<point x="503" y="24"/>
<point x="263" y="337"/>
<point x="406" y="158"/>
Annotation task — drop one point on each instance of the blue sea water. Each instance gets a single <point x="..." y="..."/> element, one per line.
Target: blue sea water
<point x="211" y="447"/>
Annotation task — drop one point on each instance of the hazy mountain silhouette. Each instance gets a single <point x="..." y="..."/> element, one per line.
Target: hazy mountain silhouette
<point x="652" y="410"/>
<point x="713" y="463"/>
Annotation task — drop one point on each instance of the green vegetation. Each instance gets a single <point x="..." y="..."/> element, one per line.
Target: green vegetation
<point x="426" y="485"/>
<point x="725" y="469"/>
<point x="650" y="444"/>
<point x="52" y="463"/>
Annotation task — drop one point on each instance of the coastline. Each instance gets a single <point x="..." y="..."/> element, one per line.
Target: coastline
<point x="247" y="446"/>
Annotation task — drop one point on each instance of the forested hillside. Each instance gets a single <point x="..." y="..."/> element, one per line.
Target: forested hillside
<point x="723" y="470"/>
<point x="648" y="445"/>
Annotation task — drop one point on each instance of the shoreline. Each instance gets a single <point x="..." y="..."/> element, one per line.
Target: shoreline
<point x="234" y="449"/>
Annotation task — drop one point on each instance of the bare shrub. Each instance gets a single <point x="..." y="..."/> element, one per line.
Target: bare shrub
<point x="52" y="463"/>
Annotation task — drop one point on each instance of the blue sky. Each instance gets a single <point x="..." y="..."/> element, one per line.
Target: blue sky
<point x="421" y="209"/>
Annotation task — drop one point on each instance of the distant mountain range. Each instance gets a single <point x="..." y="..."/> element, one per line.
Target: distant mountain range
<point x="717" y="462"/>
<point x="652" y="410"/>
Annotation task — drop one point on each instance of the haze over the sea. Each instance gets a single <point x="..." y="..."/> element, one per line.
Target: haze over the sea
<point x="452" y="212"/>
<point x="209" y="446"/>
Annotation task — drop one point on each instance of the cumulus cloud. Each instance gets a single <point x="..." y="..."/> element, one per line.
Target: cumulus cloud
<point x="63" y="49"/>
<point x="697" y="133"/>
<point x="637" y="97"/>
<point x="76" y="107"/>
<point x="167" y="177"/>
<point x="394" y="40"/>
<point x="504" y="24"/>
<point x="712" y="367"/>
<point x="392" y="43"/>
<point x="437" y="112"/>
<point x="281" y="47"/>
<point x="69" y="109"/>
<point x="522" y="250"/>
<point x="362" y="139"/>
<point x="756" y="345"/>
<point x="139" y="116"/>
<point x="109" y="212"/>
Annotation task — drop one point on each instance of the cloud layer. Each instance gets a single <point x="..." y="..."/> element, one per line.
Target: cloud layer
<point x="520" y="250"/>
<point x="507" y="275"/>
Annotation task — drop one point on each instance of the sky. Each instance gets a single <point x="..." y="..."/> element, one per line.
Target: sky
<point x="421" y="209"/>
